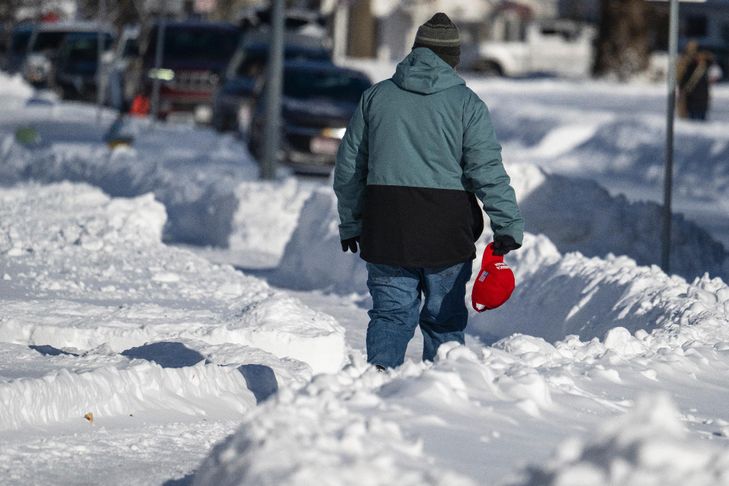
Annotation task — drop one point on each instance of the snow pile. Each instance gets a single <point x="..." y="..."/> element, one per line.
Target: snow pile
<point x="13" y="88"/>
<point x="556" y="295"/>
<point x="313" y="257"/>
<point x="648" y="446"/>
<point x="267" y="215"/>
<point x="207" y="183"/>
<point x="475" y="410"/>
<point x="72" y="217"/>
<point x="590" y="296"/>
<point x="626" y="145"/>
<point x="198" y="192"/>
<point x="210" y="190"/>
<point x="85" y="251"/>
<point x="319" y="437"/>
<point x="578" y="216"/>
<point x="64" y="395"/>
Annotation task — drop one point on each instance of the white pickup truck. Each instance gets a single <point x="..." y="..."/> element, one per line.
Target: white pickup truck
<point x="556" y="47"/>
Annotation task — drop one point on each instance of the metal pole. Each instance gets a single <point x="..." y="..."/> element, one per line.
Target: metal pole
<point x="670" y="115"/>
<point x="158" y="58"/>
<point x="274" y="84"/>
<point x="100" y="84"/>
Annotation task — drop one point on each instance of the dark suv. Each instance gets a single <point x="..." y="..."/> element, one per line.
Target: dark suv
<point x="319" y="98"/>
<point x="195" y="53"/>
<point x="234" y="98"/>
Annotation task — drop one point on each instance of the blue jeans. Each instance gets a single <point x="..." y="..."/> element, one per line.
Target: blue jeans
<point x="396" y="297"/>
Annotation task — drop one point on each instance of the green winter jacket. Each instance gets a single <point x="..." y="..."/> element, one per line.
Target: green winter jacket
<point x="417" y="149"/>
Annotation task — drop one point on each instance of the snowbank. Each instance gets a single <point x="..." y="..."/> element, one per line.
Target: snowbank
<point x="267" y="215"/>
<point x="590" y="296"/>
<point x="207" y="183"/>
<point x="14" y="89"/>
<point x="576" y="215"/>
<point x="615" y="138"/>
<point x="580" y="215"/>
<point x="65" y="395"/>
<point x="198" y="192"/>
<point x="313" y="257"/>
<point x="648" y="446"/>
<point x="104" y="278"/>
<point x="317" y="438"/>
<point x="466" y="417"/>
<point x="210" y="188"/>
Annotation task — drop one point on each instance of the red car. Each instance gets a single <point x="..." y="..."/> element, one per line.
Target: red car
<point x="194" y="56"/>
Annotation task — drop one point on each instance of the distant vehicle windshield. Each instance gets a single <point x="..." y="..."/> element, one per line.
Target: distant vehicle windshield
<point x="20" y="41"/>
<point x="256" y="57"/>
<point x="182" y="42"/>
<point x="337" y="85"/>
<point x="48" y="40"/>
<point x="80" y="51"/>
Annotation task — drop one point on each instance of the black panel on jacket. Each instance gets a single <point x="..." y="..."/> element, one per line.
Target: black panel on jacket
<point x="419" y="227"/>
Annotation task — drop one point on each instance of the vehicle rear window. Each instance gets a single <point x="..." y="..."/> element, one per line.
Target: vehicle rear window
<point x="20" y="41"/>
<point x="84" y="47"/>
<point x="342" y="86"/>
<point x="195" y="43"/>
<point x="255" y="59"/>
<point x="48" y="40"/>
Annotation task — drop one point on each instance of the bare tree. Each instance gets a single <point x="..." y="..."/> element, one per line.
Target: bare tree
<point x="623" y="44"/>
<point x="362" y="29"/>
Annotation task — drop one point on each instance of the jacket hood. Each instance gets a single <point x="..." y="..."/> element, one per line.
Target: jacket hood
<point x="422" y="71"/>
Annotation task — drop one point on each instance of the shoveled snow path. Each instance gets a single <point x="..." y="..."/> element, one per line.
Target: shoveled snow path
<point x="486" y="412"/>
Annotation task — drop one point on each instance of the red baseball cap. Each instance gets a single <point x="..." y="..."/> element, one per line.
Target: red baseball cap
<point x="494" y="283"/>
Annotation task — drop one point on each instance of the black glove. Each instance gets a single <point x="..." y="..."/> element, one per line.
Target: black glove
<point x="503" y="244"/>
<point x="350" y="244"/>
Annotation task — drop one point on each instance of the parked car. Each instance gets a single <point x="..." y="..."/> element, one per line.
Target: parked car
<point x="17" y="47"/>
<point x="319" y="98"/>
<point x="43" y="47"/>
<point x="556" y="47"/>
<point x="195" y="54"/>
<point x="75" y="73"/>
<point x="233" y="100"/>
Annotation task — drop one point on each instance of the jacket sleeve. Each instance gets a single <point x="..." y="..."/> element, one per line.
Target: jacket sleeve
<point x="350" y="174"/>
<point x="484" y="173"/>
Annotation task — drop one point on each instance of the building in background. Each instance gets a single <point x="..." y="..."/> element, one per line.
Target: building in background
<point x="385" y="29"/>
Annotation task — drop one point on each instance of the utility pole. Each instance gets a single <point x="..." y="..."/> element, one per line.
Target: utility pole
<point x="274" y="84"/>
<point x="670" y="116"/>
<point x="100" y="80"/>
<point x="158" y="55"/>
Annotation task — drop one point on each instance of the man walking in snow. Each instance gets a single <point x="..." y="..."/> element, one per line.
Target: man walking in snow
<point x="417" y="152"/>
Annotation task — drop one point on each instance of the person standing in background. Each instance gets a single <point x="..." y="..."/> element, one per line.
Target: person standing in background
<point x="693" y="82"/>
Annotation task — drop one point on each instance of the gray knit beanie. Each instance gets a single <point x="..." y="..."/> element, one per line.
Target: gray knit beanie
<point x="440" y="35"/>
